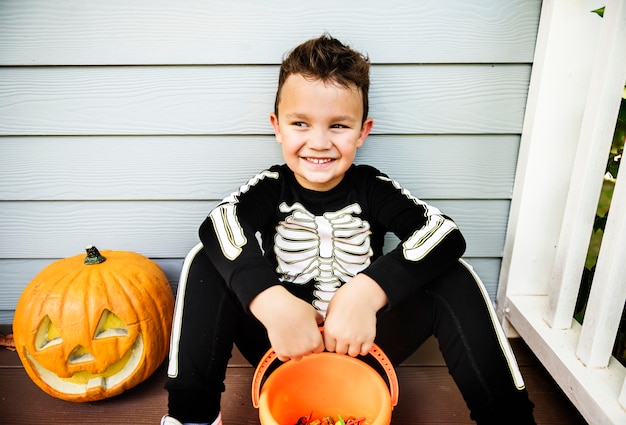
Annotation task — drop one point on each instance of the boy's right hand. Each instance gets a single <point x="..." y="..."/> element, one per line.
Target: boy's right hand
<point x="291" y="323"/>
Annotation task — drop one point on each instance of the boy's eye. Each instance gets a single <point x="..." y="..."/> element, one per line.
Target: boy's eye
<point x="299" y="124"/>
<point x="338" y="126"/>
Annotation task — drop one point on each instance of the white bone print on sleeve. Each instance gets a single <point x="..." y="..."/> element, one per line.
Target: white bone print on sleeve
<point x="330" y="249"/>
<point x="423" y="240"/>
<point x="229" y="232"/>
<point x="225" y="222"/>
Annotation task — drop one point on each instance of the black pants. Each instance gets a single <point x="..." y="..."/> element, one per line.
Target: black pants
<point x="454" y="308"/>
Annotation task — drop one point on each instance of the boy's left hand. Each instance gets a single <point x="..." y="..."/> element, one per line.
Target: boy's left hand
<point x="350" y="326"/>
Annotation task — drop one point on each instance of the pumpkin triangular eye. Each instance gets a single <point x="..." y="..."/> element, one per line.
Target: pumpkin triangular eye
<point x="47" y="335"/>
<point x="110" y="325"/>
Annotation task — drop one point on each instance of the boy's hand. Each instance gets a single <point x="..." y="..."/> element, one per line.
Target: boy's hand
<point x="350" y="326"/>
<point x="291" y="323"/>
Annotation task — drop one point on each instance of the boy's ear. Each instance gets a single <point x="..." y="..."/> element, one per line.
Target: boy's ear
<point x="366" y="128"/>
<point x="274" y="122"/>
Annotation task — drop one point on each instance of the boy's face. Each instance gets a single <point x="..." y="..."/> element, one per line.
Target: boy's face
<point x="319" y="126"/>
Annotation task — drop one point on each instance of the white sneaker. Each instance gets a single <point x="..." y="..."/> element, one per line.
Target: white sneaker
<point x="168" y="420"/>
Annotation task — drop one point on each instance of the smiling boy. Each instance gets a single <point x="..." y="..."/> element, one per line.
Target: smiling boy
<point x="322" y="222"/>
<point x="321" y="126"/>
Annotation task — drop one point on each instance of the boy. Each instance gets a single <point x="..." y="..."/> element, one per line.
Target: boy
<point x="322" y="222"/>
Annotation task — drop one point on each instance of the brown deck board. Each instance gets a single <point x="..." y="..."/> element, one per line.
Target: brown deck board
<point x="427" y="396"/>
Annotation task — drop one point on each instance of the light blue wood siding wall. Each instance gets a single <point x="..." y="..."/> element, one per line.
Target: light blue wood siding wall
<point x="122" y="123"/>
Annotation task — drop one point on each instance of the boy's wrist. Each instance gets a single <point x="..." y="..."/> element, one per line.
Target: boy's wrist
<point x="263" y="306"/>
<point x="374" y="292"/>
<point x="365" y="291"/>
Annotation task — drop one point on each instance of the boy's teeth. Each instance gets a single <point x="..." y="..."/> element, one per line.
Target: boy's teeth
<point x="319" y="161"/>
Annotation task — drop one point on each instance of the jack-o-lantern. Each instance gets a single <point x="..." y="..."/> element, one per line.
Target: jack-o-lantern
<point x="89" y="328"/>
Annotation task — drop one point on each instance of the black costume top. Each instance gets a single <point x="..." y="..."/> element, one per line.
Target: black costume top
<point x="273" y="231"/>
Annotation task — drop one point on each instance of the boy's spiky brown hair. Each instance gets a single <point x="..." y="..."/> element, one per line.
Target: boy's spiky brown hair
<point x="327" y="59"/>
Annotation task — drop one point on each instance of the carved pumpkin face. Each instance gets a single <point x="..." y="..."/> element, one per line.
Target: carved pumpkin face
<point x="85" y="332"/>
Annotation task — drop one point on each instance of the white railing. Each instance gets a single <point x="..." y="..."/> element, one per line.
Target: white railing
<point x="578" y="77"/>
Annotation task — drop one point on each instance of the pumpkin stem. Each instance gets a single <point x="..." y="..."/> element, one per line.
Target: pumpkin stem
<point x="93" y="256"/>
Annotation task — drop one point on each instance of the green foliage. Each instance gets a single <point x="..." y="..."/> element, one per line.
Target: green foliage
<point x="599" y="11"/>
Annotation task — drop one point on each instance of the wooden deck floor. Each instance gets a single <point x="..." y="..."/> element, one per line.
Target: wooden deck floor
<point x="427" y="396"/>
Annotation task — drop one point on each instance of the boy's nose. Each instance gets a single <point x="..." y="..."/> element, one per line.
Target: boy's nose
<point x="319" y="140"/>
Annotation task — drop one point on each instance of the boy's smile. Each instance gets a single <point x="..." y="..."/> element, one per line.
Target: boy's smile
<point x="319" y="126"/>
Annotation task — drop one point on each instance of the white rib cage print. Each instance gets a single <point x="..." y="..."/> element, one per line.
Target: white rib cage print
<point x="329" y="249"/>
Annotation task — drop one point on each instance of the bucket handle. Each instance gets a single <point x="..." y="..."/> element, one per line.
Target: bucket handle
<point x="375" y="352"/>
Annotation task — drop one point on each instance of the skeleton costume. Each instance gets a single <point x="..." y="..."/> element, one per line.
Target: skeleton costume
<point x="273" y="231"/>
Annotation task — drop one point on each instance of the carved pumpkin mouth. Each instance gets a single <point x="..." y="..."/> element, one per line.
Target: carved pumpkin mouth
<point x="84" y="381"/>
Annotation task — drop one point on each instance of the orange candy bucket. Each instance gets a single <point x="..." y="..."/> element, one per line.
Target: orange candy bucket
<point x="324" y="384"/>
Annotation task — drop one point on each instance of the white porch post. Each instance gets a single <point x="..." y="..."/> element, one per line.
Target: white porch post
<point x="594" y="144"/>
<point x="578" y="75"/>
<point x="566" y="41"/>
<point x="608" y="291"/>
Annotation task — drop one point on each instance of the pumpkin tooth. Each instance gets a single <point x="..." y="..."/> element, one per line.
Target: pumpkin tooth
<point x="97" y="382"/>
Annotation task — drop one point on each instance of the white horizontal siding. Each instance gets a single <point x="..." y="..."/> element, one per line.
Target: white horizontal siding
<point x="209" y="167"/>
<point x="94" y="32"/>
<point x="237" y="99"/>
<point x="122" y="123"/>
